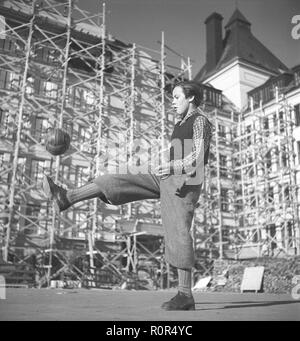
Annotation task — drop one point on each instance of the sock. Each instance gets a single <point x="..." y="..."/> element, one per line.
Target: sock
<point x="88" y="191"/>
<point x="185" y="281"/>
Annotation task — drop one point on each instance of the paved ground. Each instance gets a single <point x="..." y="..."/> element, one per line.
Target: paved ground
<point x="117" y="305"/>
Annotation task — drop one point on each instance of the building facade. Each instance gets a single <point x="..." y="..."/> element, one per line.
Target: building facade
<point x="265" y="153"/>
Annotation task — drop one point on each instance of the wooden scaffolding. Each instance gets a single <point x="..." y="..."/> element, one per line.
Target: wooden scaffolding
<point x="61" y="68"/>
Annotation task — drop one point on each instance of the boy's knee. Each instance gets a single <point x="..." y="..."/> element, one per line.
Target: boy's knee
<point x="107" y="184"/>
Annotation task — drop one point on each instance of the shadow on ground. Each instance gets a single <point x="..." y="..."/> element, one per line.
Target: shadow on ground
<point x="245" y="304"/>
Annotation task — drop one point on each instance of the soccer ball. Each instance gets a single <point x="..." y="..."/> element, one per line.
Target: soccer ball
<point x="58" y="141"/>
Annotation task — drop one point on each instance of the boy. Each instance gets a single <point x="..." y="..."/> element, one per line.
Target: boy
<point x="177" y="183"/>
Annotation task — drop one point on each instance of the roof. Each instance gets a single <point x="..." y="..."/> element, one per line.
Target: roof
<point x="240" y="44"/>
<point x="237" y="16"/>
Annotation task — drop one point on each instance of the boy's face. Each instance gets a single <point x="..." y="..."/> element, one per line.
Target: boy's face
<point x="180" y="103"/>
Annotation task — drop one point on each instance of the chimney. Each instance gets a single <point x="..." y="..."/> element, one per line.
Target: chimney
<point x="214" y="43"/>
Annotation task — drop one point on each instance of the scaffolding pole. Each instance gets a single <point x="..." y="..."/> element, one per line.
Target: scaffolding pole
<point x="60" y="125"/>
<point x="219" y="187"/>
<point x="100" y="76"/>
<point x="18" y="135"/>
<point x="162" y="89"/>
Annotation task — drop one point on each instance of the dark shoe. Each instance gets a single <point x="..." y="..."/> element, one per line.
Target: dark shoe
<point x="180" y="302"/>
<point x="57" y="194"/>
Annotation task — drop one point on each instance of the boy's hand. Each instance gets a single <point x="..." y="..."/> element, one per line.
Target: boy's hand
<point x="164" y="169"/>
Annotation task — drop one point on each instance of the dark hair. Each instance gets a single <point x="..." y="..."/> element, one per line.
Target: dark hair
<point x="190" y="89"/>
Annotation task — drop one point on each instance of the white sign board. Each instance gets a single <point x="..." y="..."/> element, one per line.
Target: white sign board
<point x="202" y="283"/>
<point x="252" y="279"/>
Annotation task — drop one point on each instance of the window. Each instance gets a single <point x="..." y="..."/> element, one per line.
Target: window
<point x="81" y="175"/>
<point x="281" y="122"/>
<point x="30" y="86"/>
<point x="221" y="129"/>
<point x="38" y="51"/>
<point x="223" y="160"/>
<point x="37" y="170"/>
<point x="45" y="221"/>
<point x="271" y="195"/>
<point x="52" y="55"/>
<point x="84" y="138"/>
<point x="68" y="126"/>
<point x="212" y="96"/>
<point x="219" y="98"/>
<point x="15" y="81"/>
<point x="2" y="117"/>
<point x="89" y="98"/>
<point x="6" y="125"/>
<point x="266" y="123"/>
<point x="248" y="133"/>
<point x="75" y="97"/>
<point x="4" y="164"/>
<point x="32" y="222"/>
<point x="50" y="89"/>
<point x="38" y="86"/>
<point x="223" y="166"/>
<point x="237" y="175"/>
<point x="39" y="128"/>
<point x="266" y="126"/>
<point x="297" y="114"/>
<point x="287" y="194"/>
<point x="65" y="171"/>
<point x="297" y="78"/>
<point x="268" y="160"/>
<point x="256" y="99"/>
<point x="46" y="54"/>
<point x="21" y="173"/>
<point x="4" y="79"/>
<point x="7" y="44"/>
<point x="298" y="151"/>
<point x="284" y="157"/>
<point x="80" y="218"/>
<point x="9" y="80"/>
<point x="224" y="200"/>
<point x="275" y="122"/>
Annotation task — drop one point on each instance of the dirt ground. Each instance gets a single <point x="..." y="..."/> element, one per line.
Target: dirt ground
<point x="122" y="305"/>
